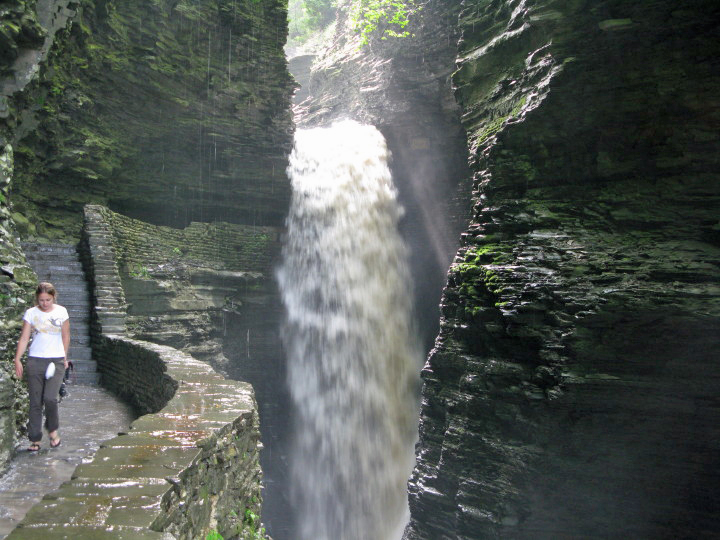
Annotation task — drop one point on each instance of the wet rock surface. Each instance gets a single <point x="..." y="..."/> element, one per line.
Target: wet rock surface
<point x="179" y="287"/>
<point x="188" y="468"/>
<point x="572" y="391"/>
<point x="17" y="285"/>
<point x="88" y="416"/>
<point x="169" y="112"/>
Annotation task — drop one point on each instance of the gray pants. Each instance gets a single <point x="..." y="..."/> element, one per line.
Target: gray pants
<point x="43" y="392"/>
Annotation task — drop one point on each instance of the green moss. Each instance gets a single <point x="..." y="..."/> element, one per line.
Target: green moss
<point x="477" y="282"/>
<point x="495" y="125"/>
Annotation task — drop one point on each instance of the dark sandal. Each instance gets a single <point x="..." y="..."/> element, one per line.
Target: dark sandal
<point x="54" y="443"/>
<point x="34" y="447"/>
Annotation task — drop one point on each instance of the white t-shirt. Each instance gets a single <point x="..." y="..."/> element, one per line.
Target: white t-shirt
<point x="46" y="331"/>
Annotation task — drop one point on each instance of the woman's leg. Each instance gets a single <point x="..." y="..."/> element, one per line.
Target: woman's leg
<point x="35" y="372"/>
<point x="50" y="398"/>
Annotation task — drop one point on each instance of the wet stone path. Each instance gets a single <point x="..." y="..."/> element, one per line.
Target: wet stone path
<point x="89" y="415"/>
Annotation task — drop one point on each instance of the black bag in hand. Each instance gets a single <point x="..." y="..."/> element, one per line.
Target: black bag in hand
<point x="66" y="378"/>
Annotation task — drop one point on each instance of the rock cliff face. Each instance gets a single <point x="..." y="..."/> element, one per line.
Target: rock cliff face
<point x="17" y="282"/>
<point x="573" y="391"/>
<point x="27" y="31"/>
<point x="167" y="111"/>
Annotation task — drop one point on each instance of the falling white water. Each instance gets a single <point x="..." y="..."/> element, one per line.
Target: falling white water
<point x="353" y="358"/>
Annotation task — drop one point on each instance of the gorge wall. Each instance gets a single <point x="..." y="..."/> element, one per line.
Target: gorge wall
<point x="170" y="112"/>
<point x="573" y="389"/>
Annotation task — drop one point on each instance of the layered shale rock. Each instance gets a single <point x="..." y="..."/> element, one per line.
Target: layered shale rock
<point x="17" y="284"/>
<point x="170" y="112"/>
<point x="573" y="388"/>
<point x="27" y="31"/>
<point x="180" y="285"/>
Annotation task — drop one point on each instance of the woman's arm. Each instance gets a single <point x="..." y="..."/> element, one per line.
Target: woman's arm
<point x="66" y="339"/>
<point x="21" y="347"/>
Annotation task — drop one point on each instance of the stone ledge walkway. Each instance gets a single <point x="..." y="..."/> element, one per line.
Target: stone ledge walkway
<point x="89" y="415"/>
<point x="168" y="470"/>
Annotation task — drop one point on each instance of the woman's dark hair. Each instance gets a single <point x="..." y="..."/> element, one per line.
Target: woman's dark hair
<point x="47" y="288"/>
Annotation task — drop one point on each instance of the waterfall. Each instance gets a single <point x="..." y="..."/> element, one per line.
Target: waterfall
<point x="353" y="357"/>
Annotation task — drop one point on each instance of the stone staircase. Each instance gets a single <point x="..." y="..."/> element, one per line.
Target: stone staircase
<point x="60" y="265"/>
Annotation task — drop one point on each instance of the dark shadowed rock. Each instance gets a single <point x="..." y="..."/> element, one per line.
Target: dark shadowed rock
<point x="573" y="389"/>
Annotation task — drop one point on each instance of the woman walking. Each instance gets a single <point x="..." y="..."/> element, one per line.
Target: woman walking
<point x="49" y="325"/>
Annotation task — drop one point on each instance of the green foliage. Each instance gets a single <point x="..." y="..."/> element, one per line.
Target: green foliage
<point x="308" y="17"/>
<point x="139" y="272"/>
<point x="214" y="535"/>
<point x="320" y="12"/>
<point x="383" y="18"/>
<point x="252" y="520"/>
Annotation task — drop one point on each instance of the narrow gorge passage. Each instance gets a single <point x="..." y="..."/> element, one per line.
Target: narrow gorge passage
<point x="353" y="353"/>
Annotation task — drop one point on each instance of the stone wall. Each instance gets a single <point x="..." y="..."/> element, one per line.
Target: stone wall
<point x="178" y="287"/>
<point x="187" y="467"/>
<point x="208" y="290"/>
<point x="573" y="388"/>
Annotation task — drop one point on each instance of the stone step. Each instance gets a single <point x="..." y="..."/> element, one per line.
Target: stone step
<point x="77" y="302"/>
<point x="65" y="278"/>
<point x="78" y="315"/>
<point x="79" y="340"/>
<point x="58" y="274"/>
<point x="112" y="321"/>
<point x="76" y="283"/>
<point x="53" y="249"/>
<point x="83" y="366"/>
<point x="87" y="377"/>
<point x="80" y="310"/>
<point x="60" y="265"/>
<point x="69" y="295"/>
<point x="62" y="281"/>
<point x="60" y="269"/>
<point x="79" y="326"/>
<point x="80" y="352"/>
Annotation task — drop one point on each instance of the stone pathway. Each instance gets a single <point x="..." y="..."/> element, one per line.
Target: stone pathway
<point x="89" y="415"/>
